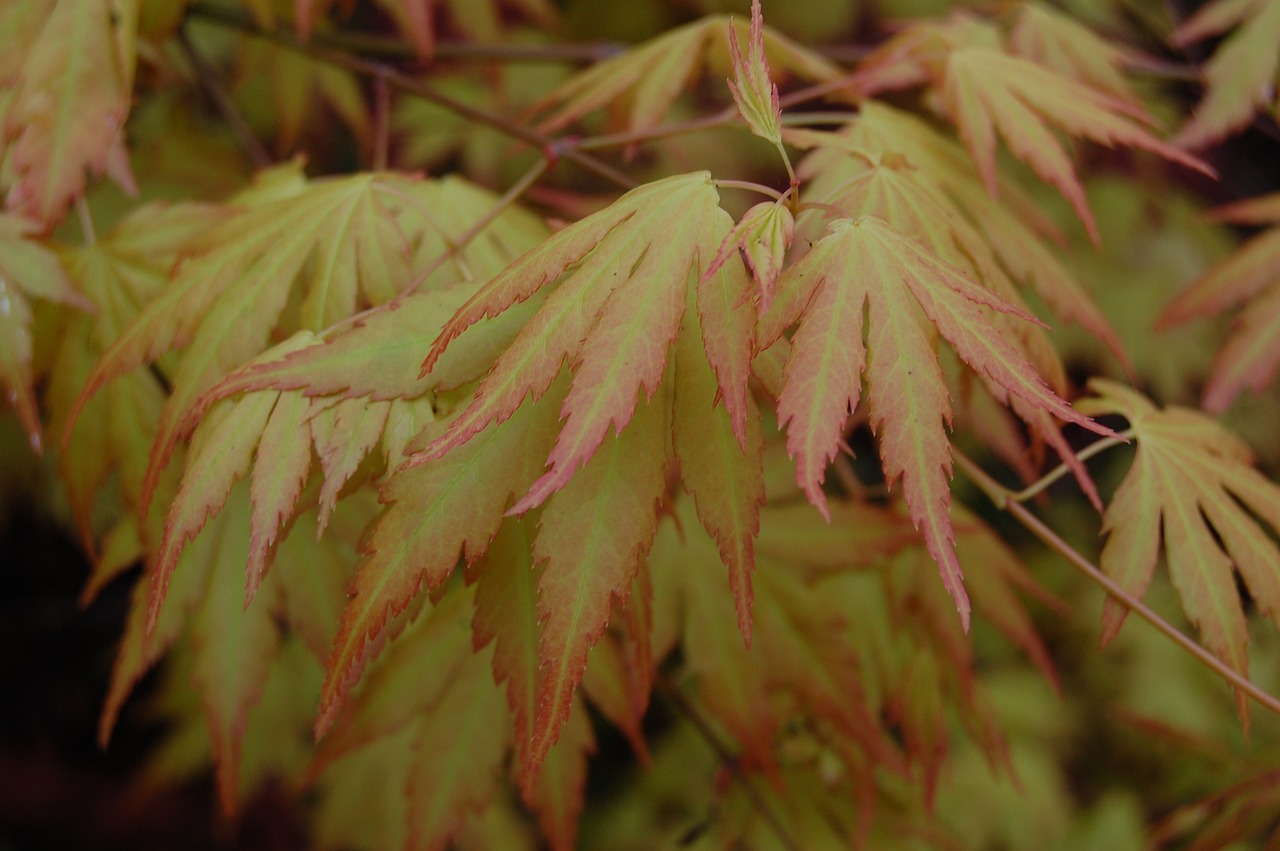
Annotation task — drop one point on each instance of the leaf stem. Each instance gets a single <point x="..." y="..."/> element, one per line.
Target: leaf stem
<point x="1001" y="497"/>
<point x="1095" y="448"/>
<point x="750" y="187"/>
<point x="381" y="122"/>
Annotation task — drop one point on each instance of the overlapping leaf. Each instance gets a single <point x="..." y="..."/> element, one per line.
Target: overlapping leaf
<point x="639" y="87"/>
<point x="1193" y="487"/>
<point x="69" y="67"/>
<point x="628" y="286"/>
<point x="909" y="298"/>
<point x="987" y="91"/>
<point x="1012" y="227"/>
<point x="1240" y="79"/>
<point x="1250" y="276"/>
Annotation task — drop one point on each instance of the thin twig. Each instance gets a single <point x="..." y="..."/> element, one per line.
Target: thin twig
<point x="1000" y="496"/>
<point x="1035" y="488"/>
<point x="212" y="86"/>
<point x="87" y="232"/>
<point x="551" y="149"/>
<point x="727" y="757"/>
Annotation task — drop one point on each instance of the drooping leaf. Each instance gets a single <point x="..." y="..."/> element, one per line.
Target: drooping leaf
<point x="1240" y="79"/>
<point x="1014" y="229"/>
<point x="1250" y="276"/>
<point x="27" y="268"/>
<point x="911" y="298"/>
<point x="592" y="535"/>
<point x="439" y="512"/>
<point x="986" y="91"/>
<point x="1061" y="43"/>
<point x="639" y="87"/>
<point x="1193" y="487"/>
<point x="339" y="236"/>
<point x="72" y="96"/>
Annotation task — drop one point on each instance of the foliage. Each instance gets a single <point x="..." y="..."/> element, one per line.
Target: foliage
<point x="445" y="485"/>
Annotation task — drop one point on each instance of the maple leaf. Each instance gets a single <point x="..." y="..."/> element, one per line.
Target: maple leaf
<point x="753" y="89"/>
<point x="1251" y="275"/>
<point x="27" y="268"/>
<point x="122" y="270"/>
<point x="1240" y="79"/>
<point x="71" y="97"/>
<point x="1193" y="486"/>
<point x="1060" y="43"/>
<point x="908" y="294"/>
<point x="764" y="233"/>
<point x="987" y="91"/>
<point x="622" y="299"/>
<point x="640" y="86"/>
<point x="231" y="289"/>
<point x="1015" y="231"/>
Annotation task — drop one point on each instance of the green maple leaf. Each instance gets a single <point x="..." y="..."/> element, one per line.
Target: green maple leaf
<point x="910" y="298"/>
<point x="1193" y="487"/>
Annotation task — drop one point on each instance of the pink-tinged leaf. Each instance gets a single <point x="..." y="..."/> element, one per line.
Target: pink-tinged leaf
<point x="233" y="646"/>
<point x="908" y="296"/>
<point x="753" y="88"/>
<point x="725" y="478"/>
<point x="219" y="457"/>
<point x="458" y="754"/>
<point x="728" y="320"/>
<point x="1024" y="95"/>
<point x="1192" y="485"/>
<point x="409" y="678"/>
<point x="72" y="98"/>
<point x="507" y="614"/>
<point x="626" y="353"/>
<point x="344" y="432"/>
<point x="627" y="260"/>
<point x="557" y="798"/>
<point x="439" y="512"/>
<point x="592" y="536"/>
<point x="764" y="234"/>
<point x="15" y="360"/>
<point x="277" y="481"/>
